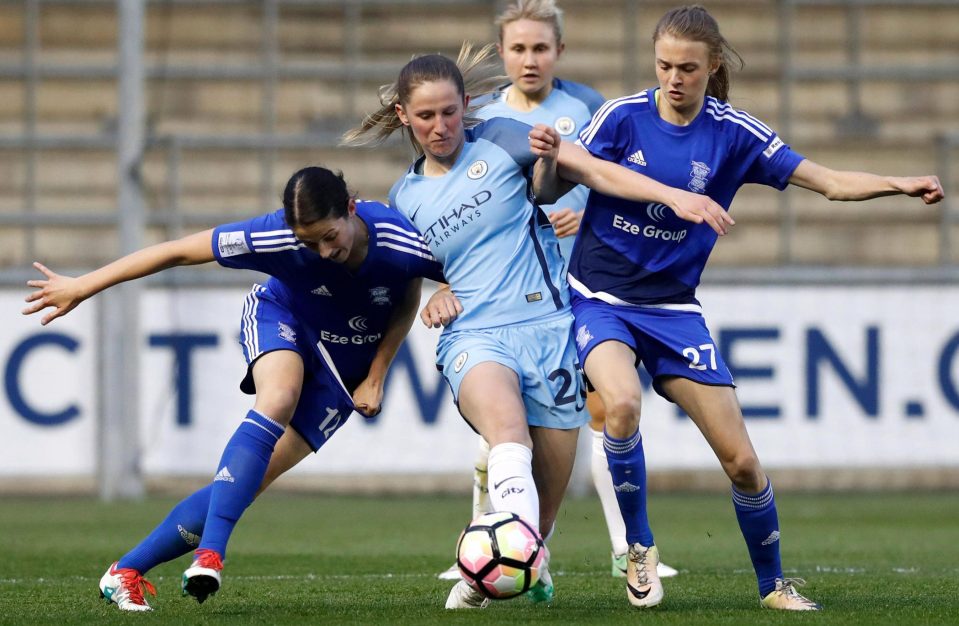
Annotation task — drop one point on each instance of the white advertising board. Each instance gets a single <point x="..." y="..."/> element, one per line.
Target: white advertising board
<point x="827" y="376"/>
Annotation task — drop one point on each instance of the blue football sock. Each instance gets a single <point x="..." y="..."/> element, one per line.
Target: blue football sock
<point x="176" y="535"/>
<point x="759" y="523"/>
<point x="241" y="471"/>
<point x="627" y="464"/>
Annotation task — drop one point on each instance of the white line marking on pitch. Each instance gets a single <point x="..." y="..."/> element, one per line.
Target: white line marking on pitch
<point x="311" y="576"/>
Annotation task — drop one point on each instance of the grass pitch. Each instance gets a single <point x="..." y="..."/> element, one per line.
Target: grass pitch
<point x="869" y="559"/>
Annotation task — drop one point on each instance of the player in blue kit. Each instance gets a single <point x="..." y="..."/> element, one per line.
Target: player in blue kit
<point x="635" y="268"/>
<point x="318" y="337"/>
<point x="506" y="350"/>
<point x="530" y="45"/>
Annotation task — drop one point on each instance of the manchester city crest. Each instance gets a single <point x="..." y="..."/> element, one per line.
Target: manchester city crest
<point x="565" y="125"/>
<point x="477" y="170"/>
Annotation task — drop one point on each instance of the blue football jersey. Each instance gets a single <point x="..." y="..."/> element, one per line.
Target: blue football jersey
<point x="498" y="250"/>
<point x="346" y="313"/>
<point x="641" y="253"/>
<point x="568" y="108"/>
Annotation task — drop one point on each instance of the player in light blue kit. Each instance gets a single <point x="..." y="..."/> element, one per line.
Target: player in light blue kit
<point x="530" y="45"/>
<point x="506" y="351"/>
<point x="318" y="337"/>
<point x="635" y="268"/>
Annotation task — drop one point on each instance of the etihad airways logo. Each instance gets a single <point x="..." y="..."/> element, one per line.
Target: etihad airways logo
<point x="456" y="219"/>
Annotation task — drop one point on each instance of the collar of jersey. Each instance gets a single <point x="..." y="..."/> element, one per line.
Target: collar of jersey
<point x="668" y="127"/>
<point x="419" y="165"/>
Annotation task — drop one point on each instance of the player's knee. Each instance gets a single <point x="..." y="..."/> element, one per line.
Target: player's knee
<point x="623" y="412"/>
<point x="278" y="402"/>
<point x="745" y="473"/>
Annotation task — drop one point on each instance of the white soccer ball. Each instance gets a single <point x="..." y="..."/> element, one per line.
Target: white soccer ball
<point x="500" y="555"/>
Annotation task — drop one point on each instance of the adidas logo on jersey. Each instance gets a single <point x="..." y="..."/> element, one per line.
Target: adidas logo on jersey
<point x="321" y="291"/>
<point x="637" y="158"/>
<point x="224" y="474"/>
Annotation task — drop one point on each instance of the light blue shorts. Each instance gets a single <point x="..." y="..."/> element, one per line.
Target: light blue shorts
<point x="543" y="356"/>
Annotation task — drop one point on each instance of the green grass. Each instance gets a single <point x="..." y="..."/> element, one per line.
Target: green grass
<point x="869" y="559"/>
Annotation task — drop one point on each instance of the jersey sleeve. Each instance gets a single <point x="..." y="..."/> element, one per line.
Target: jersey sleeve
<point x="241" y="245"/>
<point x="403" y="243"/>
<point x="510" y="135"/>
<point x="427" y="266"/>
<point x="773" y="163"/>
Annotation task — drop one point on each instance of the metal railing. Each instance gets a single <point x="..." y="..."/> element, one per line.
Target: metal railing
<point x="856" y="70"/>
<point x="354" y="70"/>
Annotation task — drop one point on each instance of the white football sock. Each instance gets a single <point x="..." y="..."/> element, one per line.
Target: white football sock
<point x="481" y="500"/>
<point x="604" y="487"/>
<point x="511" y="486"/>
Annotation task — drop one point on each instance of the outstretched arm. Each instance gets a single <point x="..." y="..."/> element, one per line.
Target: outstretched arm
<point x="574" y="164"/>
<point x="846" y="185"/>
<point x="368" y="396"/>
<point x="64" y="293"/>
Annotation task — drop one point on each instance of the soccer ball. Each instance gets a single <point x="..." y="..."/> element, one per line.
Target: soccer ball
<point x="500" y="555"/>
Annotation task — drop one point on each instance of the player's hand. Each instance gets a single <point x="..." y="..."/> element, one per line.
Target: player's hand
<point x="565" y="222"/>
<point x="441" y="309"/>
<point x="544" y="142"/>
<point x="63" y="293"/>
<point x="697" y="208"/>
<point x="926" y="187"/>
<point x="368" y="398"/>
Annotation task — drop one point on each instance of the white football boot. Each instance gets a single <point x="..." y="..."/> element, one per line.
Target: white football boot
<point x="453" y="573"/>
<point x="202" y="579"/>
<point x="786" y="598"/>
<point x="124" y="587"/>
<point x="643" y="587"/>
<point x="619" y="567"/>
<point x="462" y="596"/>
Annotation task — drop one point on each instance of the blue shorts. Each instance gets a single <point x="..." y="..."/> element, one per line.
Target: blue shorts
<point x="666" y="342"/>
<point x="324" y="404"/>
<point x="543" y="356"/>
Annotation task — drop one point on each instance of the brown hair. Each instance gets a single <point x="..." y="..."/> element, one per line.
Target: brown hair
<point x="544" y="11"/>
<point x="473" y="73"/>
<point x="694" y="23"/>
<point x="313" y="194"/>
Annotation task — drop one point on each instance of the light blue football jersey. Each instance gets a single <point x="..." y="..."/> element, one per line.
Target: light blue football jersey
<point x="568" y="108"/>
<point x="498" y="250"/>
<point x="641" y="253"/>
<point x="345" y="313"/>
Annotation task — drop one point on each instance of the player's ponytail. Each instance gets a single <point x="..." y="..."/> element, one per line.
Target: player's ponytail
<point x="313" y="194"/>
<point x="473" y="73"/>
<point x="694" y="23"/>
